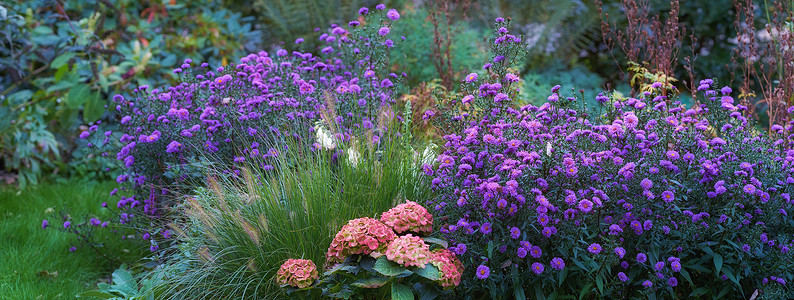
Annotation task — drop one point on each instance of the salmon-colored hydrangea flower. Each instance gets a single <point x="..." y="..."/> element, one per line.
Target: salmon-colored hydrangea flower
<point x="409" y="216"/>
<point x="359" y="236"/>
<point x="299" y="273"/>
<point x="409" y="250"/>
<point x="450" y="266"/>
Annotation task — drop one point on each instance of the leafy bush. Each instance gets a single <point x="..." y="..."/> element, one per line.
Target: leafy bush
<point x="60" y="62"/>
<point x="415" y="53"/>
<point x="644" y="197"/>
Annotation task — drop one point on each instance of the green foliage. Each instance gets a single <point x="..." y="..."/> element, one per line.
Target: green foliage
<point x="365" y="276"/>
<point x="555" y="30"/>
<point x="61" y="61"/>
<point x="537" y="84"/>
<point x="414" y="56"/>
<point x="37" y="263"/>
<point x="238" y="232"/>
<point x="124" y="287"/>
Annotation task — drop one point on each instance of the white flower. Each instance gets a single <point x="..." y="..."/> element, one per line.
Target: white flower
<point x="325" y="139"/>
<point x="353" y="156"/>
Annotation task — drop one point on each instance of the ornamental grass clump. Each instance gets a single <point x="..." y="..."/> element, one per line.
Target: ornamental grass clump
<point x="642" y="196"/>
<point x="341" y="96"/>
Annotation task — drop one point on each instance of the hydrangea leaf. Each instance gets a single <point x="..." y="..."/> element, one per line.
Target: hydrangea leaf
<point x="371" y="283"/>
<point x="441" y="242"/>
<point x="401" y="292"/>
<point x="389" y="268"/>
<point x="429" y="271"/>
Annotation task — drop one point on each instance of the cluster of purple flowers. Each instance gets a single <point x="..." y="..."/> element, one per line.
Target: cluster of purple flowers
<point x="248" y="111"/>
<point x="645" y="174"/>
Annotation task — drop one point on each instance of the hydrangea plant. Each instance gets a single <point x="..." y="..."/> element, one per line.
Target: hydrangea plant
<point x="367" y="258"/>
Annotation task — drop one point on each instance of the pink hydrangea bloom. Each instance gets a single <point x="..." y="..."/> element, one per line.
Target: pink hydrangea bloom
<point x="450" y="266"/>
<point x="299" y="273"/>
<point x="409" y="216"/>
<point x="409" y="250"/>
<point x="359" y="236"/>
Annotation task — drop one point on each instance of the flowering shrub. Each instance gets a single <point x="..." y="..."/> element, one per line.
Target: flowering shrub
<point x="409" y="216"/>
<point x="249" y="111"/>
<point x="675" y="201"/>
<point x="367" y="258"/>
<point x="298" y="273"/>
<point x="359" y="236"/>
<point x="408" y="250"/>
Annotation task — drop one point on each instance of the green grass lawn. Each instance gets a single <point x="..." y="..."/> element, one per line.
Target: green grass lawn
<point x="30" y="256"/>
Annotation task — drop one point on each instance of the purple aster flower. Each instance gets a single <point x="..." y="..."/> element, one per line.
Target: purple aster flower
<point x="84" y="134"/>
<point x="622" y="276"/>
<point x="668" y="196"/>
<point x="67" y="224"/>
<point x="746" y="248"/>
<point x="624" y="264"/>
<point x="380" y="6"/>
<point x="173" y="147"/>
<point x="675" y="266"/>
<point x="672" y="281"/>
<point x="641" y="257"/>
<point x="659" y="266"/>
<point x="384" y="31"/>
<point x="750" y="189"/>
<point x="299" y="40"/>
<point x="557" y="263"/>
<point x="472" y="77"/>
<point x="647" y="283"/>
<point x="521" y="252"/>
<point x="363" y="11"/>
<point x="393" y="15"/>
<point x="585" y="205"/>
<point x="646" y="184"/>
<point x="515" y="233"/>
<point x="535" y="252"/>
<point x="537" y="268"/>
<point x="594" y="248"/>
<point x="620" y="251"/>
<point x="460" y="249"/>
<point x="483" y="272"/>
<point x="485" y="228"/>
<point x="44" y="224"/>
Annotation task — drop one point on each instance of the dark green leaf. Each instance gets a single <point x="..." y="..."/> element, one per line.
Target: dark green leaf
<point x="429" y="271"/>
<point x="78" y="95"/>
<point x="718" y="263"/>
<point x="94" y="108"/>
<point x="61" y="60"/>
<point x="371" y="283"/>
<point x="401" y="292"/>
<point x="388" y="268"/>
<point x="441" y="242"/>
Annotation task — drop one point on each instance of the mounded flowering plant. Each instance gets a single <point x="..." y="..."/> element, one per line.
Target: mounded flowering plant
<point x="639" y="197"/>
<point x="338" y="100"/>
<point x="298" y="273"/>
<point x="368" y="258"/>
